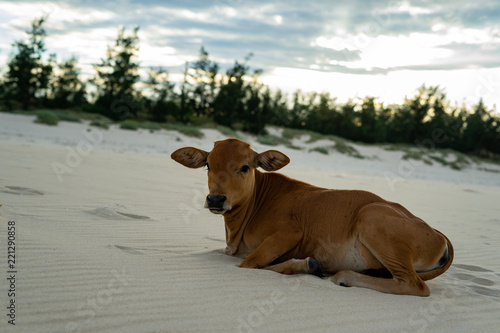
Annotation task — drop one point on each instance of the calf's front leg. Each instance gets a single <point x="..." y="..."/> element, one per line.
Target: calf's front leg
<point x="271" y="249"/>
<point x="275" y="246"/>
<point x="298" y="266"/>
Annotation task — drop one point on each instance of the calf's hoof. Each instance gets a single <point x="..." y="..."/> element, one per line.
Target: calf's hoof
<point x="314" y="267"/>
<point x="340" y="279"/>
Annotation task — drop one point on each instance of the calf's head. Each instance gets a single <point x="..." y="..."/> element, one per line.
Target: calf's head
<point x="231" y="170"/>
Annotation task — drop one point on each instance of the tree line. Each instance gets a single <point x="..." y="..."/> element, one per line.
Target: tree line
<point x="235" y="98"/>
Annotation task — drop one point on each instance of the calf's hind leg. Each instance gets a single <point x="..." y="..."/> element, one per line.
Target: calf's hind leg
<point x="404" y="284"/>
<point x="390" y="239"/>
<point x="298" y="266"/>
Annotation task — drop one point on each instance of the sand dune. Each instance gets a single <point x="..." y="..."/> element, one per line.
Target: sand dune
<point x="120" y="241"/>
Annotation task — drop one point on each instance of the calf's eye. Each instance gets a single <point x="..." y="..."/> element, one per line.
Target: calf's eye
<point x="245" y="169"/>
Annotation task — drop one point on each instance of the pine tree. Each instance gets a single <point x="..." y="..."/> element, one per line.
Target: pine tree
<point x="27" y="77"/>
<point x="117" y="75"/>
<point x="228" y="104"/>
<point x="204" y="74"/>
<point x="67" y="90"/>
<point x="161" y="102"/>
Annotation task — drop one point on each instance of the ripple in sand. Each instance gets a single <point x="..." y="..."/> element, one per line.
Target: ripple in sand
<point x="472" y="268"/>
<point x="127" y="249"/>
<point x="110" y="214"/>
<point x="475" y="279"/>
<point x="20" y="190"/>
<point x="133" y="216"/>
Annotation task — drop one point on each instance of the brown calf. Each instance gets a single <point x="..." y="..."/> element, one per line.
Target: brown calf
<point x="288" y="226"/>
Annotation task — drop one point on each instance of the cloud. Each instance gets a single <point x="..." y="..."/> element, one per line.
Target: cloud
<point x="346" y="36"/>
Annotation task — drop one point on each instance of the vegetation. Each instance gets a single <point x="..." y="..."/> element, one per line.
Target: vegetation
<point x="235" y="99"/>
<point x="63" y="116"/>
<point x="131" y="125"/>
<point x="321" y="150"/>
<point x="184" y="129"/>
<point x="227" y="131"/>
<point x="100" y="123"/>
<point x="26" y="81"/>
<point x="272" y="140"/>
<point x="46" y="117"/>
<point x="342" y="147"/>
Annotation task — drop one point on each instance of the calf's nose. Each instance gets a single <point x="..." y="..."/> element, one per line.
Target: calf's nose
<point x="216" y="201"/>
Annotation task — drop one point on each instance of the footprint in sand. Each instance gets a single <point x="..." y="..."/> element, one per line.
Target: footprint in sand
<point x="17" y="190"/>
<point x="182" y="250"/>
<point x="133" y="216"/>
<point x="111" y="214"/>
<point x="220" y="240"/>
<point x="127" y="249"/>
<point x="473" y="278"/>
<point x="479" y="282"/>
<point x="472" y="268"/>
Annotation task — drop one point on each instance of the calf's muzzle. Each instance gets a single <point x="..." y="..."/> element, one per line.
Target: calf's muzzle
<point x="215" y="202"/>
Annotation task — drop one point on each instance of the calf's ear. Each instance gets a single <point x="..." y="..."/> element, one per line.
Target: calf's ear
<point x="272" y="160"/>
<point x="190" y="157"/>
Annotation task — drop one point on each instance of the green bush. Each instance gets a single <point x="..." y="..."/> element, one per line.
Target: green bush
<point x="342" y="147"/>
<point x="192" y="131"/>
<point x="131" y="125"/>
<point x="294" y="147"/>
<point x="272" y="140"/>
<point x="46" y="117"/>
<point x="321" y="150"/>
<point x="292" y="133"/>
<point x="101" y="123"/>
<point x="150" y="126"/>
<point x="67" y="117"/>
<point x="227" y="131"/>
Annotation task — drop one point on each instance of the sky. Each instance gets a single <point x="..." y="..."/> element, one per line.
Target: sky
<point x="349" y="48"/>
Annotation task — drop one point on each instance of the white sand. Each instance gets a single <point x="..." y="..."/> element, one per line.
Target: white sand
<point x="119" y="242"/>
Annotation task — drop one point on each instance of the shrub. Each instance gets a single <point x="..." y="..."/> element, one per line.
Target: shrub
<point x="272" y="140"/>
<point x="150" y="126"/>
<point x="321" y="150"/>
<point x="227" y="131"/>
<point x="192" y="131"/>
<point x="292" y="133"/>
<point x="47" y="118"/>
<point x="101" y="123"/>
<point x="129" y="125"/>
<point x="67" y="117"/>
